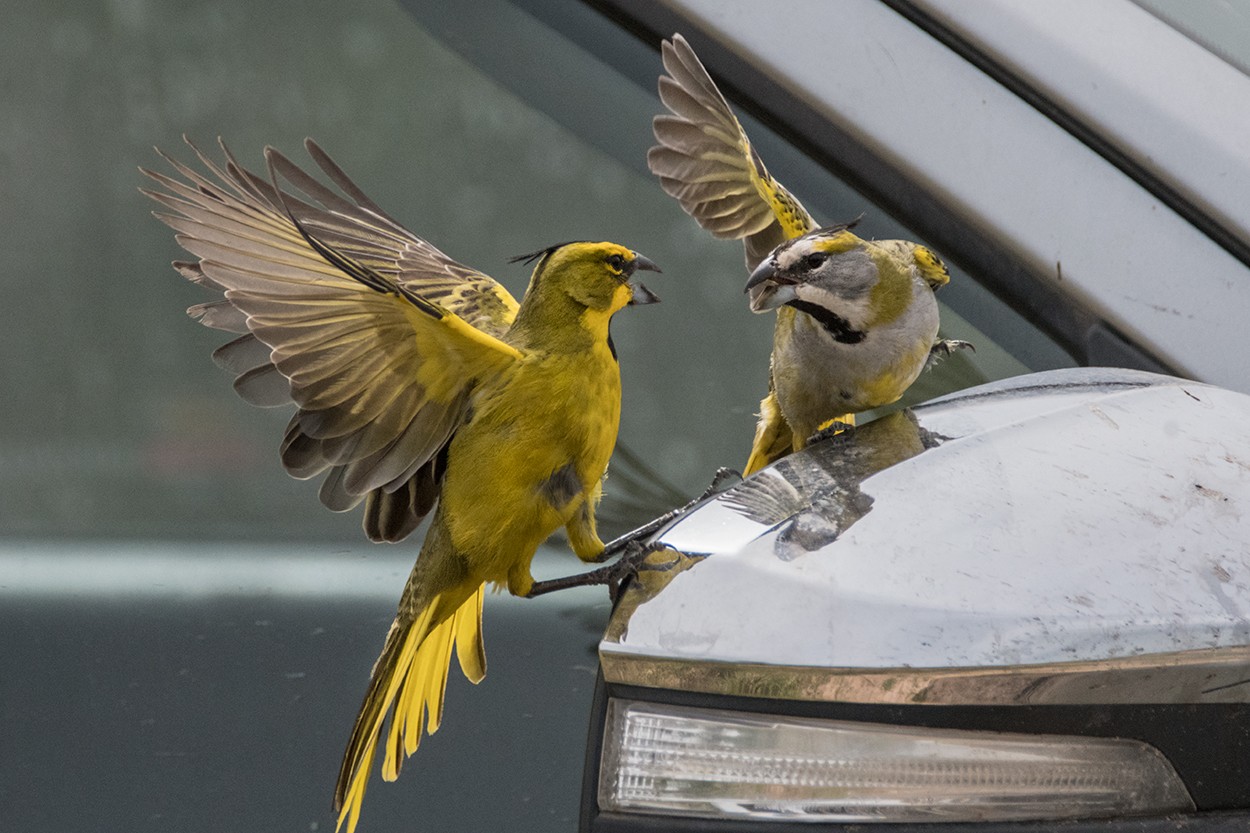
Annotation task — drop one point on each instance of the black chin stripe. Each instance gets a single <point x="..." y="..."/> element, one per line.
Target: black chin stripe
<point x="834" y="324"/>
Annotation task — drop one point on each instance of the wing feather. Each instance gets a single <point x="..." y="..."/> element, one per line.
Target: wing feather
<point x="368" y="235"/>
<point x="220" y="315"/>
<point x="241" y="355"/>
<point x="705" y="161"/>
<point x="375" y="335"/>
<point x="263" y="387"/>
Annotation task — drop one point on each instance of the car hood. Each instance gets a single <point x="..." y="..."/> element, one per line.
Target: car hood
<point x="1068" y="517"/>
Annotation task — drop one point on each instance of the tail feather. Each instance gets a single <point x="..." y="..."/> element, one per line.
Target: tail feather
<point x="411" y="677"/>
<point x="469" y="648"/>
<point x="437" y="689"/>
<point x="356" y="794"/>
<point x="773" y="438"/>
<point x="421" y="694"/>
<point x="398" y="654"/>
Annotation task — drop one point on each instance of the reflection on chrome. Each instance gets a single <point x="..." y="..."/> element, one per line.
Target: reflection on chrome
<point x="1217" y="675"/>
<point x="818" y="496"/>
<point x="1065" y="537"/>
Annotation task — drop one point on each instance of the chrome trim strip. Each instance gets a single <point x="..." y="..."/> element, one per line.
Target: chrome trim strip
<point x="1099" y="140"/>
<point x="1216" y="675"/>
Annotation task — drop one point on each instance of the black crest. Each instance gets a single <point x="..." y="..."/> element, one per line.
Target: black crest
<point x="823" y="231"/>
<point x="533" y="256"/>
<point x="836" y="229"/>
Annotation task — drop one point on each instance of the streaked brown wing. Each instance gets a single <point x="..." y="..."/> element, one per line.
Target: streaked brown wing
<point x="705" y="161"/>
<point x="359" y="229"/>
<point x="380" y="375"/>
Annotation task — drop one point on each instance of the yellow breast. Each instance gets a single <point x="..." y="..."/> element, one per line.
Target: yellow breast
<point x="552" y="411"/>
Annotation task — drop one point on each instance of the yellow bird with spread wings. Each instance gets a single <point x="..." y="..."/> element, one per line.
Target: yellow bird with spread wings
<point x="856" y="319"/>
<point x="419" y="384"/>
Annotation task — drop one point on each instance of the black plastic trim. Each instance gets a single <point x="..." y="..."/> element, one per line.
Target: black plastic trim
<point x="589" y="813"/>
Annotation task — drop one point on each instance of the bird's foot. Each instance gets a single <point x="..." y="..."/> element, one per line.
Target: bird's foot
<point x="632" y="548"/>
<point x="632" y="555"/>
<point x="830" y="429"/>
<point x="722" y="480"/>
<point x="946" y="347"/>
<point x="627" y="566"/>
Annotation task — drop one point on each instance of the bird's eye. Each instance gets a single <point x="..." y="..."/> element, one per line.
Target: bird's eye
<point x="815" y="259"/>
<point x="617" y="262"/>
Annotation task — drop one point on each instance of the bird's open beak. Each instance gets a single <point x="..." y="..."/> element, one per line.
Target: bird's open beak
<point x="766" y="290"/>
<point x="642" y="295"/>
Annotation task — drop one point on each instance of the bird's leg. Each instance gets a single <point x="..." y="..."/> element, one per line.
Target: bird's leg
<point x="583" y="535"/>
<point x="945" y="347"/>
<point x="722" y="480"/>
<point x="630" y="548"/>
<point x="633" y="555"/>
<point x="830" y="429"/>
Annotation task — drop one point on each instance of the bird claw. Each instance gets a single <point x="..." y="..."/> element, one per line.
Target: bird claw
<point x="832" y="429"/>
<point x="620" y="546"/>
<point x="721" y="481"/>
<point x="632" y="555"/>
<point x="627" y="566"/>
<point x="946" y="347"/>
<point x="724" y="479"/>
<point x="630" y="550"/>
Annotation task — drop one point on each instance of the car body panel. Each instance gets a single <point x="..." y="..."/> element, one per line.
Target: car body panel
<point x="1059" y="520"/>
<point x="1160" y="97"/>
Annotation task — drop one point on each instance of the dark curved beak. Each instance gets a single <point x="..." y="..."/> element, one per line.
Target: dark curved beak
<point x="766" y="271"/>
<point x="642" y="295"/>
<point x="646" y="264"/>
<point x="767" y="289"/>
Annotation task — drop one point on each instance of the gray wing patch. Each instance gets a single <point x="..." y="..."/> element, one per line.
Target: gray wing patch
<point x="562" y="486"/>
<point x="767" y="499"/>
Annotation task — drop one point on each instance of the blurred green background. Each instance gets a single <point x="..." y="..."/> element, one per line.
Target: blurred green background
<point x="114" y="422"/>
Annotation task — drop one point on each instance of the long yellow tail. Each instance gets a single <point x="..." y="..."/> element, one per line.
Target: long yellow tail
<point x="410" y="676"/>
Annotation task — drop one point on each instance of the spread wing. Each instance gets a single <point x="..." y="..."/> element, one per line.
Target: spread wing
<point x="329" y="299"/>
<point x="705" y="161"/>
<point x="359" y="229"/>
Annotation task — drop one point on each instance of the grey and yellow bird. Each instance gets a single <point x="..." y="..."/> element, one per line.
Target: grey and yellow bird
<point x="856" y="319"/>
<point x="419" y="384"/>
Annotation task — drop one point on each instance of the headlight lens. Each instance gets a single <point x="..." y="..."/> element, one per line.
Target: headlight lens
<point x="721" y="764"/>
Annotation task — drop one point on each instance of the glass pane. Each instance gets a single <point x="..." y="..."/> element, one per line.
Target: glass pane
<point x="117" y="423"/>
<point x="1223" y="27"/>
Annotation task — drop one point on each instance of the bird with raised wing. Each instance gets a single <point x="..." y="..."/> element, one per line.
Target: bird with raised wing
<point x="856" y="319"/>
<point x="420" y="384"/>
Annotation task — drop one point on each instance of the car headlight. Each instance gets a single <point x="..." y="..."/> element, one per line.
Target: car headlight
<point x="685" y="761"/>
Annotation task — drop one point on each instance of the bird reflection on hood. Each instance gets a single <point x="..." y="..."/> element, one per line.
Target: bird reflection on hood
<point x="818" y="495"/>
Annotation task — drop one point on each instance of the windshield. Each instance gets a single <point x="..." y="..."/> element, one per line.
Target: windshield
<point x="1221" y="26"/>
